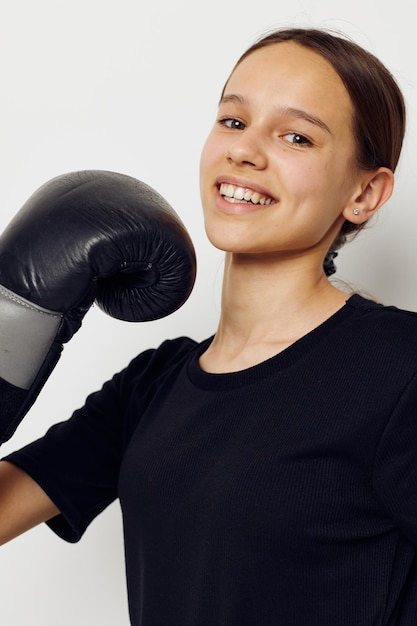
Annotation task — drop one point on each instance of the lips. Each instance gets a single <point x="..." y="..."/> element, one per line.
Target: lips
<point x="233" y="193"/>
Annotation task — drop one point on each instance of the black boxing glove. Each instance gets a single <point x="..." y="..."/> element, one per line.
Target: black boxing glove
<point x="82" y="237"/>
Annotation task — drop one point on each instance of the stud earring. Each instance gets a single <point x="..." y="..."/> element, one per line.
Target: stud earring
<point x="356" y="211"/>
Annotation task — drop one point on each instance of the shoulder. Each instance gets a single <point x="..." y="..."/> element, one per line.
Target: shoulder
<point x="155" y="363"/>
<point x="385" y="316"/>
<point x="169" y="351"/>
<point x="383" y="329"/>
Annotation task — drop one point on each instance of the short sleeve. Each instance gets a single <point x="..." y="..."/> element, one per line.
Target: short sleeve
<point x="395" y="466"/>
<point x="77" y="462"/>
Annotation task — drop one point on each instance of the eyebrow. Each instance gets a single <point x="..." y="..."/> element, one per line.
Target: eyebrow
<point x="282" y="110"/>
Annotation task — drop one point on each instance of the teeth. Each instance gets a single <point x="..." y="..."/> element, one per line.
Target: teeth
<point x="233" y="194"/>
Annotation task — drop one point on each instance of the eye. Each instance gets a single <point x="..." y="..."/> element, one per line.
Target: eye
<point x="296" y="139"/>
<point x="232" y="123"/>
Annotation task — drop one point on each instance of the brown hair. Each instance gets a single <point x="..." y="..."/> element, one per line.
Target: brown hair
<point x="378" y="104"/>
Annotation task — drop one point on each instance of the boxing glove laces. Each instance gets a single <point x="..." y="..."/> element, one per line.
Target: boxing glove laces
<point x="83" y="237"/>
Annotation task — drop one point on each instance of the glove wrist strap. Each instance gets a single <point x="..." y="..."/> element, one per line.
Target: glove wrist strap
<point x="27" y="332"/>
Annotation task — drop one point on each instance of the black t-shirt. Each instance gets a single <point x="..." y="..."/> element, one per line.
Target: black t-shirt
<point x="284" y="494"/>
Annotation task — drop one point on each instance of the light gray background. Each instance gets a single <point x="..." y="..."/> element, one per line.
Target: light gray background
<point x="132" y="86"/>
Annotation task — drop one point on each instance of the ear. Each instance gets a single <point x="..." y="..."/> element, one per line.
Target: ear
<point x="376" y="188"/>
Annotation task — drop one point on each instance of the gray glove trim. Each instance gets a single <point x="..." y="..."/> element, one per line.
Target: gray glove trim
<point x="27" y="332"/>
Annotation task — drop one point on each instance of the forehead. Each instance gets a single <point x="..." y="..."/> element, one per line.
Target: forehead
<point x="289" y="74"/>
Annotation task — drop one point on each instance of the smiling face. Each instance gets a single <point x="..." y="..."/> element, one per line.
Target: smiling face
<point x="277" y="171"/>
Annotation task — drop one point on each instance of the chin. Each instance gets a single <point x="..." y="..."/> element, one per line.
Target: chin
<point x="225" y="241"/>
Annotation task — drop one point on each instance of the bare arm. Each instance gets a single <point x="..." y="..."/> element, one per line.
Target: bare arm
<point x="23" y="503"/>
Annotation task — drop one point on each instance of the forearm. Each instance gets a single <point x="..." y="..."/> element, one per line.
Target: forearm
<point x="23" y="503"/>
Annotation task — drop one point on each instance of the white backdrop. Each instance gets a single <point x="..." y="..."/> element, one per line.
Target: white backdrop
<point x="132" y="86"/>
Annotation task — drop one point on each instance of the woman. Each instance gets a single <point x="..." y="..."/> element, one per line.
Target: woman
<point x="268" y="475"/>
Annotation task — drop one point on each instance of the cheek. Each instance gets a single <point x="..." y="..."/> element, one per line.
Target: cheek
<point x="209" y="161"/>
<point x="205" y="177"/>
<point x="304" y="181"/>
<point x="203" y="173"/>
<point x="209" y="153"/>
<point x="323" y="183"/>
<point x="203" y="160"/>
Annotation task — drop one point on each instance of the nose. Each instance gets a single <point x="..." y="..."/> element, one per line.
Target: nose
<point x="247" y="149"/>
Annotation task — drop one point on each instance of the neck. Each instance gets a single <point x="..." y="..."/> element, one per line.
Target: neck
<point x="265" y="294"/>
<point x="267" y="304"/>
